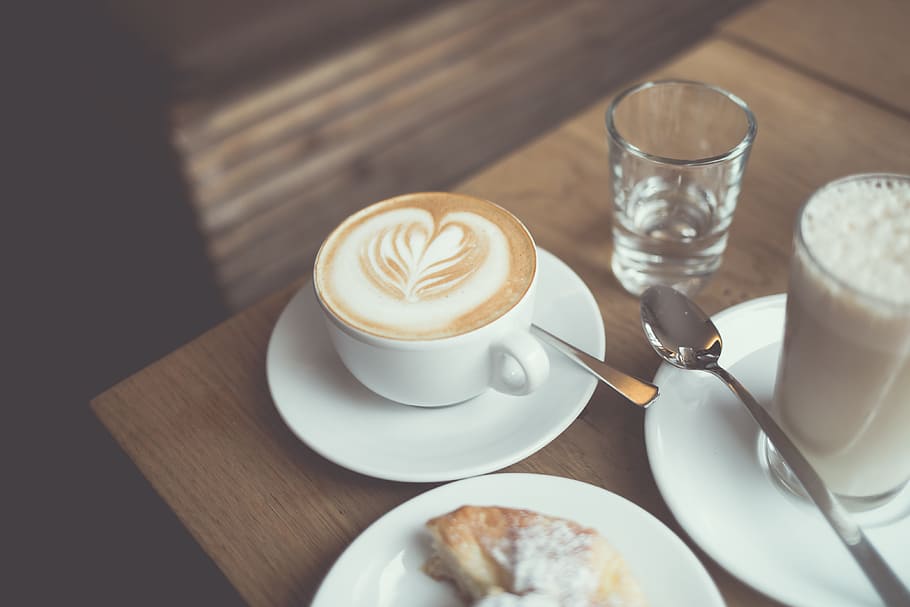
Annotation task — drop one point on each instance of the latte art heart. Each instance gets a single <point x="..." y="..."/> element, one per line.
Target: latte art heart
<point x="425" y="266"/>
<point x="413" y="263"/>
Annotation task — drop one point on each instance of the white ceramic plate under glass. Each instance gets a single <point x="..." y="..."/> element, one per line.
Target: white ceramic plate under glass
<point x="708" y="461"/>
<point x="382" y="567"/>
<point x="338" y="418"/>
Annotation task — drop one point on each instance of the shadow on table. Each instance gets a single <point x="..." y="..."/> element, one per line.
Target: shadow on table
<point x="109" y="274"/>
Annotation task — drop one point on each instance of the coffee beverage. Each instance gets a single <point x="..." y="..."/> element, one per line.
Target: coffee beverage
<point x="428" y="299"/>
<point x="425" y="266"/>
<point x="843" y="386"/>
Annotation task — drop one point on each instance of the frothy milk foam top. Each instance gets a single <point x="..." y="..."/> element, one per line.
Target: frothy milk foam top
<point x="860" y="232"/>
<point x="425" y="266"/>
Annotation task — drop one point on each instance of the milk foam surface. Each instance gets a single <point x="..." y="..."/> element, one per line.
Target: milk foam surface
<point x="425" y="266"/>
<point x="860" y="232"/>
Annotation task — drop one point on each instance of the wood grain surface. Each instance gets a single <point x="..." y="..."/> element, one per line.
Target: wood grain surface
<point x="202" y="428"/>
<point x="419" y="106"/>
<point x="861" y="46"/>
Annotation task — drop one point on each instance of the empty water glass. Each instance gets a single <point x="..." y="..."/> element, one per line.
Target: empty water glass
<point x="678" y="150"/>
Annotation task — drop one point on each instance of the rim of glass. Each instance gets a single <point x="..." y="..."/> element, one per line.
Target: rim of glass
<point x="825" y="271"/>
<point x="737" y="150"/>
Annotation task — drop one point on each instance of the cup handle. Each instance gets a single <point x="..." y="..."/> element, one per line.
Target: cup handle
<point x="520" y="364"/>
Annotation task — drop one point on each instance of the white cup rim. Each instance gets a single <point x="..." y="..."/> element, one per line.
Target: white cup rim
<point x="437" y="342"/>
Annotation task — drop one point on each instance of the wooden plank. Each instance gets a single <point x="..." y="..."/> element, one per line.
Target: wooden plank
<point x="224" y="117"/>
<point x="428" y="134"/>
<point x="201" y="426"/>
<point x="249" y="169"/>
<point x="861" y="46"/>
<point x="210" y="45"/>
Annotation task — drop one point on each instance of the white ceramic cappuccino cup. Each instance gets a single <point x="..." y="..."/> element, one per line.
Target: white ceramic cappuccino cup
<point x="430" y="372"/>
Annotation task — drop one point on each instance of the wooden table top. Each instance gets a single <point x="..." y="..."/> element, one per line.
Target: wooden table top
<point x="859" y="46"/>
<point x="202" y="428"/>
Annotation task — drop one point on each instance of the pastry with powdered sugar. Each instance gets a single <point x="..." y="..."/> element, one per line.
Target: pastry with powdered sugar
<point x="506" y="557"/>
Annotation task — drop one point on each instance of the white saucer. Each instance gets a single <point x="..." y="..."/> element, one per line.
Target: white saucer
<point x="705" y="453"/>
<point x="346" y="423"/>
<point x="382" y="567"/>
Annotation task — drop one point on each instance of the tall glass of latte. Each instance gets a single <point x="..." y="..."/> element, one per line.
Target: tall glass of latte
<point x="843" y="385"/>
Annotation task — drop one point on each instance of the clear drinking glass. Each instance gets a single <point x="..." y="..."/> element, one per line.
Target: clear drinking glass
<point x="842" y="392"/>
<point x="678" y="150"/>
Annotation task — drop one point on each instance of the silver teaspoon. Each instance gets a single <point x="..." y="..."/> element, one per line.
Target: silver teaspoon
<point x="683" y="335"/>
<point x="636" y="391"/>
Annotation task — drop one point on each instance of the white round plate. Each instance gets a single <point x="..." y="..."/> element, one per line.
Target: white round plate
<point x="709" y="465"/>
<point x="382" y="567"/>
<point x="338" y="418"/>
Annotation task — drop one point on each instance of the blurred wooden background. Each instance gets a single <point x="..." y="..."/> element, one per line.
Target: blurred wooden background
<point x="290" y="115"/>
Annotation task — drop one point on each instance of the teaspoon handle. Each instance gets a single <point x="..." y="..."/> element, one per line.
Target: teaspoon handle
<point x="636" y="391"/>
<point x="883" y="579"/>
